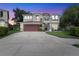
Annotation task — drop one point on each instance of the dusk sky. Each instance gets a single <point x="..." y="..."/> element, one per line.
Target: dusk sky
<point x="54" y="8"/>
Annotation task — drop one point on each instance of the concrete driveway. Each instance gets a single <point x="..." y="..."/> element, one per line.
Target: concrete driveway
<point x="37" y="44"/>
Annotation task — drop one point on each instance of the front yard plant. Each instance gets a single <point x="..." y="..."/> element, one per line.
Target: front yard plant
<point x="74" y="31"/>
<point x="3" y="31"/>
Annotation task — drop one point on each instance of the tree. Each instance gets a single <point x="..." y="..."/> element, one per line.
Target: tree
<point x="70" y="17"/>
<point x="18" y="14"/>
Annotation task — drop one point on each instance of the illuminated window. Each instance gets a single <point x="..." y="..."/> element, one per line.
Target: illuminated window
<point x="30" y="17"/>
<point x="53" y="17"/>
<point x="37" y="18"/>
<point x="26" y="17"/>
<point x="56" y="17"/>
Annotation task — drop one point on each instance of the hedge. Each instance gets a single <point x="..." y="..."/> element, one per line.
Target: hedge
<point x="74" y="31"/>
<point x="3" y="31"/>
<point x="77" y="31"/>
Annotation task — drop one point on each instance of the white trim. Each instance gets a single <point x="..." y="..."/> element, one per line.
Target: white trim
<point x="21" y="27"/>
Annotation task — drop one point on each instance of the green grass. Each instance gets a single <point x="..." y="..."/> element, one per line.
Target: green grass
<point x="61" y="34"/>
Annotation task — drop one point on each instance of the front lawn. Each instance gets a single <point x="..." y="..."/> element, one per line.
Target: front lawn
<point x="61" y="34"/>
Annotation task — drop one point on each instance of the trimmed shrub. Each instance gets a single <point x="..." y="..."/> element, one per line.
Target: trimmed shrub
<point x="3" y="31"/>
<point x="77" y="31"/>
<point x="74" y="31"/>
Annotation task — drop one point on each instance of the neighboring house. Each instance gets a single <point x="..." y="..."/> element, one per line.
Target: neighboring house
<point x="35" y="22"/>
<point x="4" y="17"/>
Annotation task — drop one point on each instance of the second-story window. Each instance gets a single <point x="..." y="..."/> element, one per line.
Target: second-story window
<point x="37" y="18"/>
<point x="55" y="18"/>
<point x="1" y="13"/>
<point x="26" y="17"/>
<point x="30" y="17"/>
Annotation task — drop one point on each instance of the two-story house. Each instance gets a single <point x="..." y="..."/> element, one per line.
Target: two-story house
<point x="4" y="17"/>
<point x="35" y="22"/>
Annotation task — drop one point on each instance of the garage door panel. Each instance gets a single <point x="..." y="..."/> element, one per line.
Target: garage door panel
<point x="31" y="27"/>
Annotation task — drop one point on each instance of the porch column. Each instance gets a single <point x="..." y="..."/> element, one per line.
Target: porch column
<point x="21" y="27"/>
<point x="33" y="17"/>
<point x="50" y="25"/>
<point x="43" y="26"/>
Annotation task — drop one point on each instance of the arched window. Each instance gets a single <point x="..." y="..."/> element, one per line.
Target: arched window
<point x="37" y="18"/>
